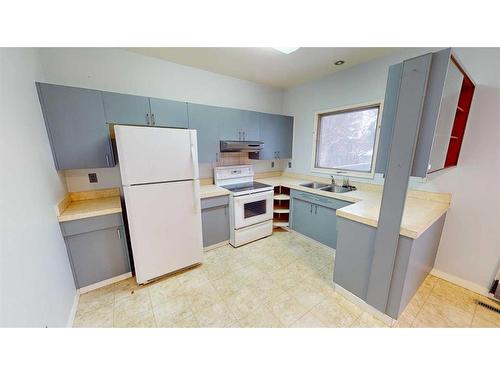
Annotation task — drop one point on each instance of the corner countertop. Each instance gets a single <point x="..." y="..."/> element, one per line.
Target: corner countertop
<point x="421" y="211"/>
<point x="86" y="204"/>
<point x="210" y="191"/>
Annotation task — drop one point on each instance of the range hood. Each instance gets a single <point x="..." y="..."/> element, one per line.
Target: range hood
<point x="241" y="146"/>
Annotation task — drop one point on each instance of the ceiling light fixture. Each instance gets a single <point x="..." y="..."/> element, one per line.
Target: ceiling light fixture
<point x="339" y="62"/>
<point x="287" y="50"/>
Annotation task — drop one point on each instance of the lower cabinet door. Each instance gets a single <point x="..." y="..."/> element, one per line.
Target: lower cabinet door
<point x="325" y="226"/>
<point x="98" y="255"/>
<point x="215" y="225"/>
<point x="302" y="217"/>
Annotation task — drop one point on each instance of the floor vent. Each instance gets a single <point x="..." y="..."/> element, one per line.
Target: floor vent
<point x="489" y="307"/>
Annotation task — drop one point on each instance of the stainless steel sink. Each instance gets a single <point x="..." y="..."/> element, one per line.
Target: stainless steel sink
<point x="314" y="185"/>
<point x="338" y="189"/>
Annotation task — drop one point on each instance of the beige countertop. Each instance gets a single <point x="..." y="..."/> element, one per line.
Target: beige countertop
<point x="421" y="211"/>
<point x="209" y="191"/>
<point x="89" y="204"/>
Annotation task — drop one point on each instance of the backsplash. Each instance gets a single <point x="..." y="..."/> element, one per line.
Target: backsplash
<point x="78" y="179"/>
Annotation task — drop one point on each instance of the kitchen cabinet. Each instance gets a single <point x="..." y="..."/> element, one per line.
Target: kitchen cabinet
<point x="446" y="104"/>
<point x="413" y="261"/>
<point x="315" y="216"/>
<point x="76" y="127"/>
<point x="126" y="109"/>
<point x="276" y="131"/>
<point x="215" y="220"/>
<point x="97" y="248"/>
<point x="238" y="125"/>
<point x="250" y="126"/>
<point x="169" y="113"/>
<point x="205" y="119"/>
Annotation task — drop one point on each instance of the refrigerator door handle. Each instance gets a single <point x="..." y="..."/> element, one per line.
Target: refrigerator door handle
<point x="194" y="154"/>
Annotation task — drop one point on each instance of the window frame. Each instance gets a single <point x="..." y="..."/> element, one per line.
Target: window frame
<point x="348" y="108"/>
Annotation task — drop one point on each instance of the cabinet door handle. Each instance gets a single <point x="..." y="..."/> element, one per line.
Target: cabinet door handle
<point x="311" y="210"/>
<point x="216" y="156"/>
<point x="315" y="209"/>
<point x="153" y="118"/>
<point x="107" y="161"/>
<point x="244" y="136"/>
<point x="278" y="154"/>
<point x="119" y="233"/>
<point x="147" y="118"/>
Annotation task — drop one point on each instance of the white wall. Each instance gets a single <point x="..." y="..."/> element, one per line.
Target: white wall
<point x="469" y="248"/>
<point x="470" y="245"/>
<point x="36" y="284"/>
<point x="127" y="72"/>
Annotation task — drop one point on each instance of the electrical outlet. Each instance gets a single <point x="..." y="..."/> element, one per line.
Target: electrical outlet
<point x="289" y="164"/>
<point x="272" y="164"/>
<point x="93" y="178"/>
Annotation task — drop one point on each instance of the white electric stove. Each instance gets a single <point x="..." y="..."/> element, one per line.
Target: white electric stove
<point x="250" y="204"/>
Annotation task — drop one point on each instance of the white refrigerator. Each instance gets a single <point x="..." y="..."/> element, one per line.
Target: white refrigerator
<point x="159" y="172"/>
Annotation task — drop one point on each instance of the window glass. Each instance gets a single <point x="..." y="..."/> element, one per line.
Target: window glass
<point x="346" y="139"/>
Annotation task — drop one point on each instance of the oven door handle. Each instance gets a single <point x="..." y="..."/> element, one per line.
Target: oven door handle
<point x="253" y="197"/>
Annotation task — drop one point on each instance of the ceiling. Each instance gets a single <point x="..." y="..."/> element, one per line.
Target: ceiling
<point x="266" y="65"/>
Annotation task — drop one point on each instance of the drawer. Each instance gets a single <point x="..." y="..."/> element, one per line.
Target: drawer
<point x="90" y="224"/>
<point x="319" y="199"/>
<point x="214" y="202"/>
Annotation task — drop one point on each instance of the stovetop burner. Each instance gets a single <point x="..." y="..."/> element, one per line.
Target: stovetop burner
<point x="246" y="186"/>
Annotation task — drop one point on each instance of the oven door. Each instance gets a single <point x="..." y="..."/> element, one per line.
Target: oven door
<point x="252" y="209"/>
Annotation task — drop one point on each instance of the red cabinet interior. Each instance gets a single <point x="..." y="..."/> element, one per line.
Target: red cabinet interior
<point x="460" y="122"/>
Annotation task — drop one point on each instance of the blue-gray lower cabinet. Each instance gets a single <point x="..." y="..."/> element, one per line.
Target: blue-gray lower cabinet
<point x="215" y="220"/>
<point x="205" y="119"/>
<point x="315" y="216"/>
<point x="76" y="127"/>
<point x="414" y="260"/>
<point x="126" y="109"/>
<point x="97" y="248"/>
<point x="276" y="131"/>
<point x="169" y="113"/>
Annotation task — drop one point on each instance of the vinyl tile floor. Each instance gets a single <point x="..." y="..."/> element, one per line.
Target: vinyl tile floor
<point x="284" y="280"/>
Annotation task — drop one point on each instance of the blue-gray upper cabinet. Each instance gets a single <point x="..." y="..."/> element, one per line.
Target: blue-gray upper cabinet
<point x="205" y="119"/>
<point x="169" y="113"/>
<point x="250" y="126"/>
<point x="76" y="126"/>
<point x="126" y="109"/>
<point x="230" y="123"/>
<point x="238" y="125"/>
<point x="276" y="131"/>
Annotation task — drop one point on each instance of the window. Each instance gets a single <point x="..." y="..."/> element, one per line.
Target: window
<point x="346" y="140"/>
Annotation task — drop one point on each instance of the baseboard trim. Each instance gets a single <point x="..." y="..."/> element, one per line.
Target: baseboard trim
<point x="100" y="284"/>
<point x="365" y="306"/>
<point x="72" y="313"/>
<point x="461" y="282"/>
<point x="215" y="246"/>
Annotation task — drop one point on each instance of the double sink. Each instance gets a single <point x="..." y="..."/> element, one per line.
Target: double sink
<point x="328" y="187"/>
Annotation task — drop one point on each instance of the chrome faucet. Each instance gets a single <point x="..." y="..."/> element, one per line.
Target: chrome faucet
<point x="333" y="180"/>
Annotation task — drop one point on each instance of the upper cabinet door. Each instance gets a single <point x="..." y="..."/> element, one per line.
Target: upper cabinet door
<point x="276" y="131"/>
<point x="250" y="126"/>
<point x="447" y="112"/>
<point x="169" y="113"/>
<point x="76" y="126"/>
<point x="126" y="109"/>
<point x="205" y="119"/>
<point x="230" y="124"/>
<point x="286" y="138"/>
<point x="270" y="135"/>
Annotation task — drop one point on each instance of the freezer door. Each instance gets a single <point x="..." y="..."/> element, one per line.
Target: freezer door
<point x="165" y="227"/>
<point x="149" y="155"/>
